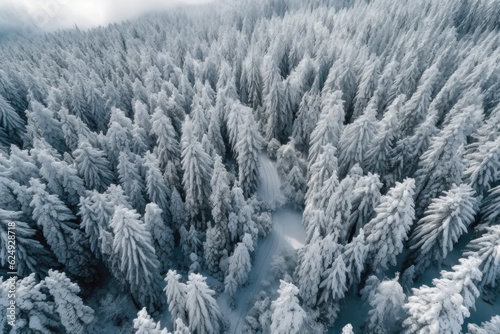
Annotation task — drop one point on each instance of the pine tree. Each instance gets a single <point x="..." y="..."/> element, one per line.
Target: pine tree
<point x="444" y="221"/>
<point x="92" y="166"/>
<point x="197" y="167"/>
<point x="134" y="257"/>
<point x="239" y="262"/>
<point x="368" y="81"/>
<point x="176" y="292"/>
<point x="320" y="171"/>
<point x="387" y="231"/>
<point x="161" y="234"/>
<point x="308" y="272"/>
<point x="378" y="156"/>
<point x="213" y="246"/>
<point x="35" y="311"/>
<point x="355" y="254"/>
<point x="334" y="283"/>
<point x="273" y="101"/>
<point x="220" y="198"/>
<point x="144" y="324"/>
<point x="365" y="198"/>
<point x="61" y="233"/>
<point x="288" y="317"/>
<point x="443" y="307"/>
<point x="329" y="127"/>
<point x="306" y="119"/>
<point x="131" y="180"/>
<point x="12" y="124"/>
<point x="386" y="311"/>
<point x="294" y="187"/>
<point x="156" y="188"/>
<point x="486" y="248"/>
<point x="356" y="139"/>
<point x="441" y="166"/>
<point x="248" y="147"/>
<point x="482" y="166"/>
<point x="30" y="255"/>
<point x="202" y="309"/>
<point x="167" y="145"/>
<point x="338" y="210"/>
<point x="75" y="316"/>
<point x="488" y="327"/>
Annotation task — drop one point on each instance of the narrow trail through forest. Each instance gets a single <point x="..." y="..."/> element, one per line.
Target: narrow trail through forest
<point x="287" y="231"/>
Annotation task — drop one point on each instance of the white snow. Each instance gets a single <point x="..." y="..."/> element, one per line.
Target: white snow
<point x="287" y="231"/>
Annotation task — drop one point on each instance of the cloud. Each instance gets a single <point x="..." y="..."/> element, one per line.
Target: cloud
<point x="50" y="15"/>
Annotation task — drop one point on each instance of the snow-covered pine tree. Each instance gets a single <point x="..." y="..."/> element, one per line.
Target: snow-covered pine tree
<point x="134" y="258"/>
<point x="220" y="198"/>
<point x="444" y="221"/>
<point x="30" y="254"/>
<point x="482" y="166"/>
<point x="162" y="236"/>
<point x="288" y="316"/>
<point x="386" y="313"/>
<point x="319" y="172"/>
<point x="248" y="148"/>
<point x="486" y="248"/>
<point x="273" y="101"/>
<point x="308" y="272"/>
<point x="338" y="210"/>
<point x="334" y="283"/>
<point x="61" y="232"/>
<point x="35" y="311"/>
<point x="387" y="231"/>
<point x="92" y="166"/>
<point x="294" y="186"/>
<point x="441" y="165"/>
<point x="306" y="119"/>
<point x="11" y="123"/>
<point x="488" y="327"/>
<point x="356" y="139"/>
<point x="156" y="188"/>
<point x="203" y="313"/>
<point x="365" y="198"/>
<point x="176" y="295"/>
<point x="131" y="180"/>
<point x="144" y="324"/>
<point x="76" y="317"/>
<point x="329" y="127"/>
<point x="378" y="156"/>
<point x="197" y="167"/>
<point x="167" y="144"/>
<point x="354" y="254"/>
<point x="443" y="307"/>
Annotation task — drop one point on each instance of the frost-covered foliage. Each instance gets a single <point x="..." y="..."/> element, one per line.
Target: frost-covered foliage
<point x="135" y="150"/>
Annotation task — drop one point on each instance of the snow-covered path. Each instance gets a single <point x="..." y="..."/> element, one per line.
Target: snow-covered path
<point x="287" y="231"/>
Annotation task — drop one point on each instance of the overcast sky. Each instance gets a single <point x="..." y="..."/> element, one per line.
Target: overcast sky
<point x="50" y="15"/>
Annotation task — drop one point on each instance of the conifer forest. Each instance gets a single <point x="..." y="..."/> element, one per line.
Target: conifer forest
<point x="255" y="166"/>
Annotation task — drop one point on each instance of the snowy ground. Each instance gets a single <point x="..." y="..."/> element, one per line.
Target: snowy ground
<point x="287" y="231"/>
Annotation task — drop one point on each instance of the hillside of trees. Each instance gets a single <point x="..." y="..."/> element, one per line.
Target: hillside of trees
<point x="129" y="166"/>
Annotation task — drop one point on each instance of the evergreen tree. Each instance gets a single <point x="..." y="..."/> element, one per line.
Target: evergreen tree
<point x="378" y="157"/>
<point x="306" y="119"/>
<point x="12" y="124"/>
<point x="444" y="221"/>
<point x="35" y="311"/>
<point x="134" y="257"/>
<point x="320" y="171"/>
<point x="248" y="148"/>
<point x="294" y="187"/>
<point x="386" y="313"/>
<point x="202" y="309"/>
<point x="365" y="198"/>
<point x="144" y="324"/>
<point x="486" y="249"/>
<point x="161" y="234"/>
<point x="156" y="188"/>
<point x="75" y="316"/>
<point x="387" y="231"/>
<point x="482" y="166"/>
<point x="329" y="127"/>
<point x="220" y="198"/>
<point x="167" y="145"/>
<point x="273" y="102"/>
<point x="490" y="207"/>
<point x="308" y="272"/>
<point x="239" y="262"/>
<point x="356" y="139"/>
<point x="334" y="284"/>
<point x="92" y="166"/>
<point x="61" y="233"/>
<point x="197" y="167"/>
<point x="355" y="254"/>
<point x="30" y="255"/>
<point x="131" y="180"/>
<point x="288" y="316"/>
<point x="488" y="327"/>
<point x="176" y="292"/>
